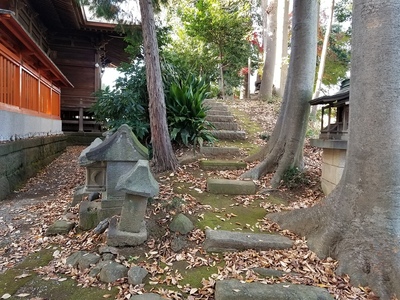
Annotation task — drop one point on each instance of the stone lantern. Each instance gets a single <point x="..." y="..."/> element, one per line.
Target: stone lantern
<point x="119" y="152"/>
<point x="138" y="185"/>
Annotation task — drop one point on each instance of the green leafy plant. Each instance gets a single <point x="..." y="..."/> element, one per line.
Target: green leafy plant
<point x="127" y="103"/>
<point x="293" y="178"/>
<point x="186" y="111"/>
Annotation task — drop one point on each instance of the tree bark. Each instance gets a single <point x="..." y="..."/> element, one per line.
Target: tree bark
<point x="270" y="57"/>
<point x="280" y="71"/>
<point x="323" y="52"/>
<point x="359" y="222"/>
<point x="163" y="155"/>
<point x="285" y="148"/>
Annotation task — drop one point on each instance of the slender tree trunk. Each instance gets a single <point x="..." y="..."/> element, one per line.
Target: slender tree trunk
<point x="285" y="148"/>
<point x="163" y="155"/>
<point x="285" y="37"/>
<point x="269" y="63"/>
<point x="281" y="46"/>
<point x="359" y="222"/>
<point x="324" y="51"/>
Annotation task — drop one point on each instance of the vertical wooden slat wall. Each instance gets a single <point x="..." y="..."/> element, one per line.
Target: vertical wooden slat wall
<point x="24" y="88"/>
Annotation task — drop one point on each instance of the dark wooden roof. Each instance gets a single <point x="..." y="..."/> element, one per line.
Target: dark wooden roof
<point x="30" y="48"/>
<point x="65" y="17"/>
<point x="342" y="96"/>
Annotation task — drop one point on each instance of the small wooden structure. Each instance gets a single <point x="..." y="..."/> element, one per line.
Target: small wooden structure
<point x="334" y="135"/>
<point x="51" y="62"/>
<point x="335" y="113"/>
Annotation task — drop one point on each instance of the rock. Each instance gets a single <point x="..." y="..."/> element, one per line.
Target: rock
<point x="181" y="224"/>
<point x="222" y="240"/>
<point x="178" y="243"/>
<point x="74" y="258"/>
<point x="60" y="227"/>
<point x="97" y="268"/>
<point x="148" y="296"/>
<point x="108" y="249"/>
<point x="94" y="196"/>
<point x="88" y="214"/>
<point x="82" y="259"/>
<point x="235" y="290"/>
<point x="102" y="226"/>
<point x="79" y="194"/>
<point x="136" y="275"/>
<point x="87" y="260"/>
<point x="112" y="271"/>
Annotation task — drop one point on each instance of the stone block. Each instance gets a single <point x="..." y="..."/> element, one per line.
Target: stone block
<point x="234" y="289"/>
<point x="223" y="240"/>
<point x="88" y="215"/>
<point x="222" y="165"/>
<point x="228" y="135"/>
<point x="231" y="187"/>
<point x="219" y="111"/>
<point x="60" y="227"/>
<point x="118" y="238"/>
<point x="216" y="151"/>
<point x="219" y="118"/>
<point x="225" y="126"/>
<point x="339" y="158"/>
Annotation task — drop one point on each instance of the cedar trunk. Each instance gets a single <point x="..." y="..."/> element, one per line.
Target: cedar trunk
<point x="285" y="148"/>
<point x="359" y="222"/>
<point x="163" y="155"/>
<point x="269" y="63"/>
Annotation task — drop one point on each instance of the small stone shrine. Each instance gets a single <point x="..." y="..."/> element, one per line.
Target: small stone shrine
<point x="106" y="161"/>
<point x="138" y="185"/>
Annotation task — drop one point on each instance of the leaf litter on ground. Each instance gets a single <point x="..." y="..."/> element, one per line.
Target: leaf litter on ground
<point x="26" y="215"/>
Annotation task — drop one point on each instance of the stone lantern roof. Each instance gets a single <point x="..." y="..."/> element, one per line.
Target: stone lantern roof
<point x="123" y="145"/>
<point x="139" y="181"/>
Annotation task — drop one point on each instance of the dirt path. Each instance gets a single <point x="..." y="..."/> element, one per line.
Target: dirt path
<point x="30" y="210"/>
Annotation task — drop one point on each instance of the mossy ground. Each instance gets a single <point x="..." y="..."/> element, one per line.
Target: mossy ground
<point x="24" y="280"/>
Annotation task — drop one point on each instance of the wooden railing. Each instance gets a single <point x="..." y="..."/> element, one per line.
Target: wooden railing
<point x="24" y="90"/>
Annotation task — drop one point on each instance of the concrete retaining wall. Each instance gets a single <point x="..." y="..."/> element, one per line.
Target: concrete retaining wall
<point x="22" y="159"/>
<point x="15" y="125"/>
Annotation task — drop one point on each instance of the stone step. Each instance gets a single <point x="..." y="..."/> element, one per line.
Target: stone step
<point x="231" y="187"/>
<point x="225" y="126"/>
<point x="228" y="135"/>
<point x="222" y="164"/>
<point x="219" y="118"/>
<point x="223" y="240"/>
<point x="219" y="112"/>
<point x="233" y="289"/>
<point x="217" y="151"/>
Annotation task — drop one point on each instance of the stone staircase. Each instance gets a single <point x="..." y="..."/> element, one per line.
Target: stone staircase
<point x="225" y="124"/>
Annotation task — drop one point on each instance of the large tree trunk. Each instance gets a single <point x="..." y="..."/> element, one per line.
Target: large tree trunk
<point x="163" y="155"/>
<point x="359" y="222"/>
<point x="269" y="62"/>
<point x="285" y="148"/>
<point x="324" y="52"/>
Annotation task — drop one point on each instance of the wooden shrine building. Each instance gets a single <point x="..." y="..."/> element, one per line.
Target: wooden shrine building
<point x="51" y="61"/>
<point x="334" y="135"/>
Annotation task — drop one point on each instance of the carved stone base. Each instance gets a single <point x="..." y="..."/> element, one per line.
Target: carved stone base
<point x="118" y="238"/>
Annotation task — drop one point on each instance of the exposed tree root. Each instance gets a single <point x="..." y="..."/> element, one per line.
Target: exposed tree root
<point x="366" y="246"/>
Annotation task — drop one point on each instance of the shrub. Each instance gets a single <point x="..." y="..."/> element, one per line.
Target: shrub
<point x="293" y="178"/>
<point x="186" y="111"/>
<point x="126" y="104"/>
